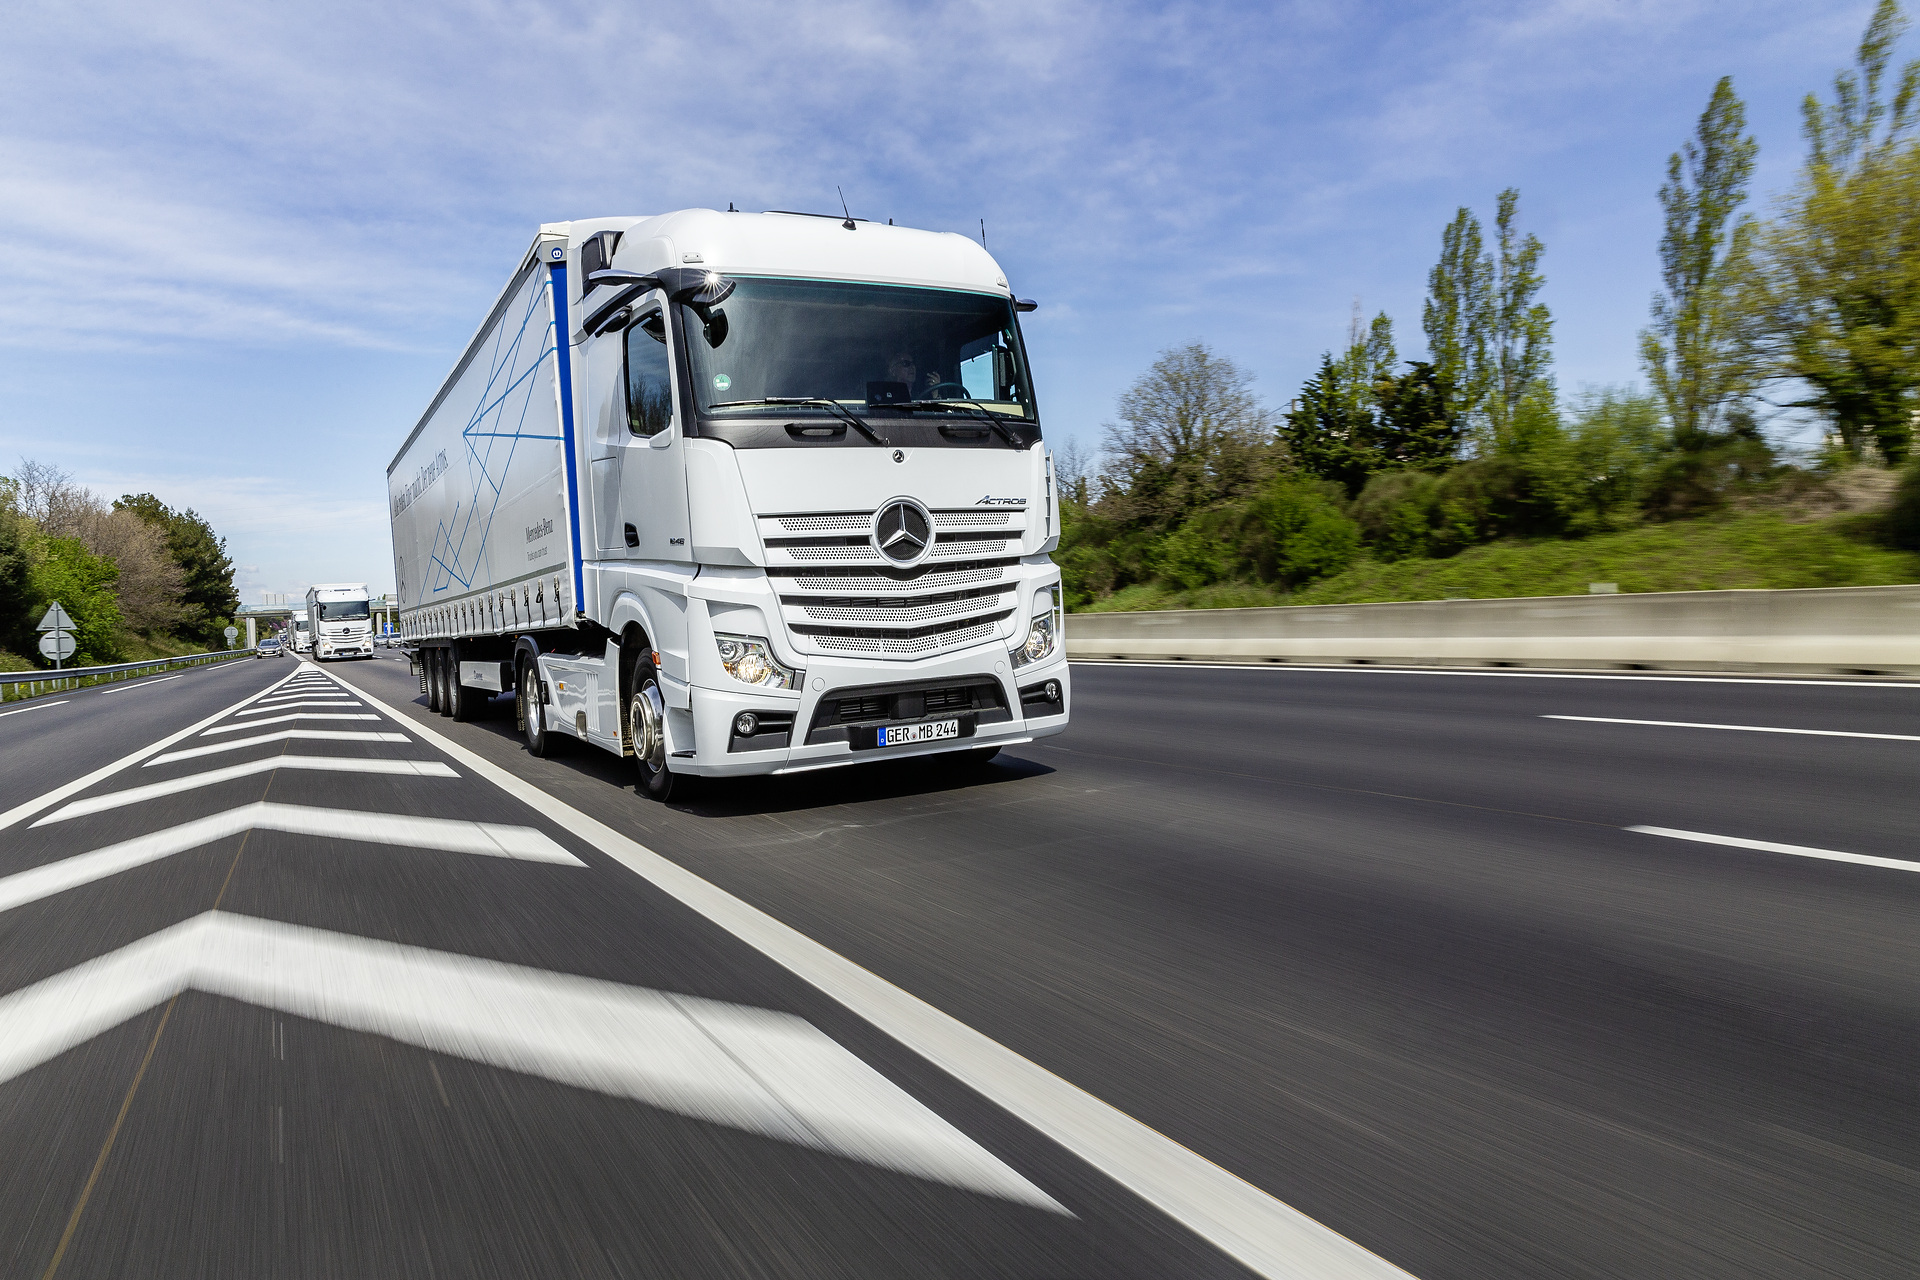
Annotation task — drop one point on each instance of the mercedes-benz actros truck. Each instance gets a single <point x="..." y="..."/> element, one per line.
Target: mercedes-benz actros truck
<point x="340" y="620"/>
<point x="738" y="493"/>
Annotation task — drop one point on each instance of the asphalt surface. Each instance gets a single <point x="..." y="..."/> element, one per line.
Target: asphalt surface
<point x="1381" y="944"/>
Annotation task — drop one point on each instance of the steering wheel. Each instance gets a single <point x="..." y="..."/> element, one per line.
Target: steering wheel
<point x="946" y="390"/>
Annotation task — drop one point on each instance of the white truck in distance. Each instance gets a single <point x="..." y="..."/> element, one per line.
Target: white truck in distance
<point x="301" y="634"/>
<point x="739" y="493"/>
<point x="340" y="620"/>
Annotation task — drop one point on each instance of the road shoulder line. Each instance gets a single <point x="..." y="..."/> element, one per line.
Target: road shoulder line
<point x="1261" y="1232"/>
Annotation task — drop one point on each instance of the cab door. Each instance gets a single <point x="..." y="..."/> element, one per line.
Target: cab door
<point x="653" y="477"/>
<point x="606" y="423"/>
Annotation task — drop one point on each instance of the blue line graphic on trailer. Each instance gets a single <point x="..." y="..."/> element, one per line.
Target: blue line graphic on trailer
<point x="459" y="546"/>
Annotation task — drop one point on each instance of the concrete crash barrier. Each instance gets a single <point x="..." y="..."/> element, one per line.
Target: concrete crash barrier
<point x="1862" y="630"/>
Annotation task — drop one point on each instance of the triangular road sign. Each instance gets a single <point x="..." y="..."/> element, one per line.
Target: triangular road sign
<point x="56" y="619"/>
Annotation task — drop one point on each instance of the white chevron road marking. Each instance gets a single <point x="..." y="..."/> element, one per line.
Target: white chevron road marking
<point x="264" y="708"/>
<point x="295" y="715"/>
<point x="452" y="835"/>
<point x="304" y="735"/>
<point x="753" y="1069"/>
<point x="173" y="786"/>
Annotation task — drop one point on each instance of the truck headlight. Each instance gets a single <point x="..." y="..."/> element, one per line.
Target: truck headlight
<point x="1043" y="633"/>
<point x="749" y="660"/>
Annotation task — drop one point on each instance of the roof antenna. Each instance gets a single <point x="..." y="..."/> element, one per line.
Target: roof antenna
<point x="848" y="224"/>
<point x="983" y="233"/>
<point x="730" y="208"/>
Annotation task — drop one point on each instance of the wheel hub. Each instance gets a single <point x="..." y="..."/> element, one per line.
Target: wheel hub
<point x="649" y="724"/>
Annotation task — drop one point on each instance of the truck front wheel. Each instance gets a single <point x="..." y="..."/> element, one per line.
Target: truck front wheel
<point x="647" y="723"/>
<point x="533" y="716"/>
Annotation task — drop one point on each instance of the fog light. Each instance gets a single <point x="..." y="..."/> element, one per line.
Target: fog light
<point x="1053" y="691"/>
<point x="745" y="723"/>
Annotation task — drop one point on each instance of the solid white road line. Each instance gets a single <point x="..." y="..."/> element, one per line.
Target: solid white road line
<point x="1767" y="846"/>
<point x="146" y="683"/>
<point x="754" y="1069"/>
<point x="1369" y="669"/>
<point x="269" y="764"/>
<point x="61" y="792"/>
<point x="305" y="735"/>
<point x="1743" y="728"/>
<point x="450" y="835"/>
<point x="296" y="715"/>
<point x="59" y="702"/>
<point x="290" y="703"/>
<point x="1265" y="1234"/>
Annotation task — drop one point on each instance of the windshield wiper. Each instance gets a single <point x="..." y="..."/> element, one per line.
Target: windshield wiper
<point x="973" y="408"/>
<point x="834" y="407"/>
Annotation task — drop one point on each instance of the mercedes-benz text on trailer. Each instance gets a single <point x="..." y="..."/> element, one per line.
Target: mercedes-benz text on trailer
<point x="340" y="618"/>
<point x="739" y="493"/>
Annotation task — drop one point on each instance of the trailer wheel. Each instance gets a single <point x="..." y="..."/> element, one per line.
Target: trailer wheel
<point x="449" y="687"/>
<point x="463" y="704"/>
<point x="533" y="716"/>
<point x="647" y="727"/>
<point x="430" y="662"/>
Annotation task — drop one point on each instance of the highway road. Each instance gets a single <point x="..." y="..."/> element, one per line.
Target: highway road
<point x="1280" y="971"/>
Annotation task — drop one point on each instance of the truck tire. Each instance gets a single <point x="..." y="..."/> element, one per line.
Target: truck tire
<point x="533" y="716"/>
<point x="647" y="729"/>
<point x="444" y="669"/>
<point x="463" y="704"/>
<point x="430" y="663"/>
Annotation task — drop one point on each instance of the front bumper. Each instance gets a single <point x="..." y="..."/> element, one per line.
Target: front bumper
<point x="713" y="712"/>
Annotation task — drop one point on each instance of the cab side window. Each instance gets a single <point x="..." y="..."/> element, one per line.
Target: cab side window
<point x="649" y="376"/>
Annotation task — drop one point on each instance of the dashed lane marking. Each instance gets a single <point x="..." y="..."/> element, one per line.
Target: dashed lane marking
<point x="268" y="764"/>
<point x="58" y="702"/>
<point x="451" y="835"/>
<point x="1768" y="846"/>
<point x="305" y="735"/>
<point x="1742" y="728"/>
<point x="146" y="683"/>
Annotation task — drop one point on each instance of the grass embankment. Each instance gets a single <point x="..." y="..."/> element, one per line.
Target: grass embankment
<point x="1758" y="549"/>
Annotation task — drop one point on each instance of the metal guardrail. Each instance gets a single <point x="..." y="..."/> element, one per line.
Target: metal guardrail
<point x="17" y="686"/>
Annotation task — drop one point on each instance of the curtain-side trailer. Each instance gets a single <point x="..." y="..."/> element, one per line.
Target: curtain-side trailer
<point x="739" y="493"/>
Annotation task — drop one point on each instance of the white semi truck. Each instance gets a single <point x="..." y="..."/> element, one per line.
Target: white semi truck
<point x="340" y="620"/>
<point x="739" y="493"/>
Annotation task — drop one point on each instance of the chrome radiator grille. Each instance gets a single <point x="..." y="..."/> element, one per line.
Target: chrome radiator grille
<point x="840" y="595"/>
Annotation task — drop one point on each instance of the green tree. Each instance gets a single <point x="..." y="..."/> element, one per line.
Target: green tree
<point x="83" y="584"/>
<point x="1191" y="434"/>
<point x="1834" y="299"/>
<point x="1693" y="352"/>
<point x="207" y="594"/>
<point x="1457" y="316"/>
<point x="1356" y="416"/>
<point x="1520" y="339"/>
<point x="17" y="557"/>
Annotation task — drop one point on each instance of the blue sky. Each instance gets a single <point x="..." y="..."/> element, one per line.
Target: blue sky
<point x="246" y="242"/>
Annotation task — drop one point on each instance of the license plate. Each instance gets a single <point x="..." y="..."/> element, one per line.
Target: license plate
<point x="900" y="735"/>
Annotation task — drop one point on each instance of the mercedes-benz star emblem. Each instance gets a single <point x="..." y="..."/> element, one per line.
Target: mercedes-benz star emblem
<point x="903" y="531"/>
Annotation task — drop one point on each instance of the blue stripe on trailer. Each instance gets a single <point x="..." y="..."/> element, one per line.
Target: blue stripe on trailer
<point x="558" y="278"/>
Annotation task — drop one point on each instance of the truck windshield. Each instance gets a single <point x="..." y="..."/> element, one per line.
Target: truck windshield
<point x="342" y="610"/>
<point x="883" y="350"/>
